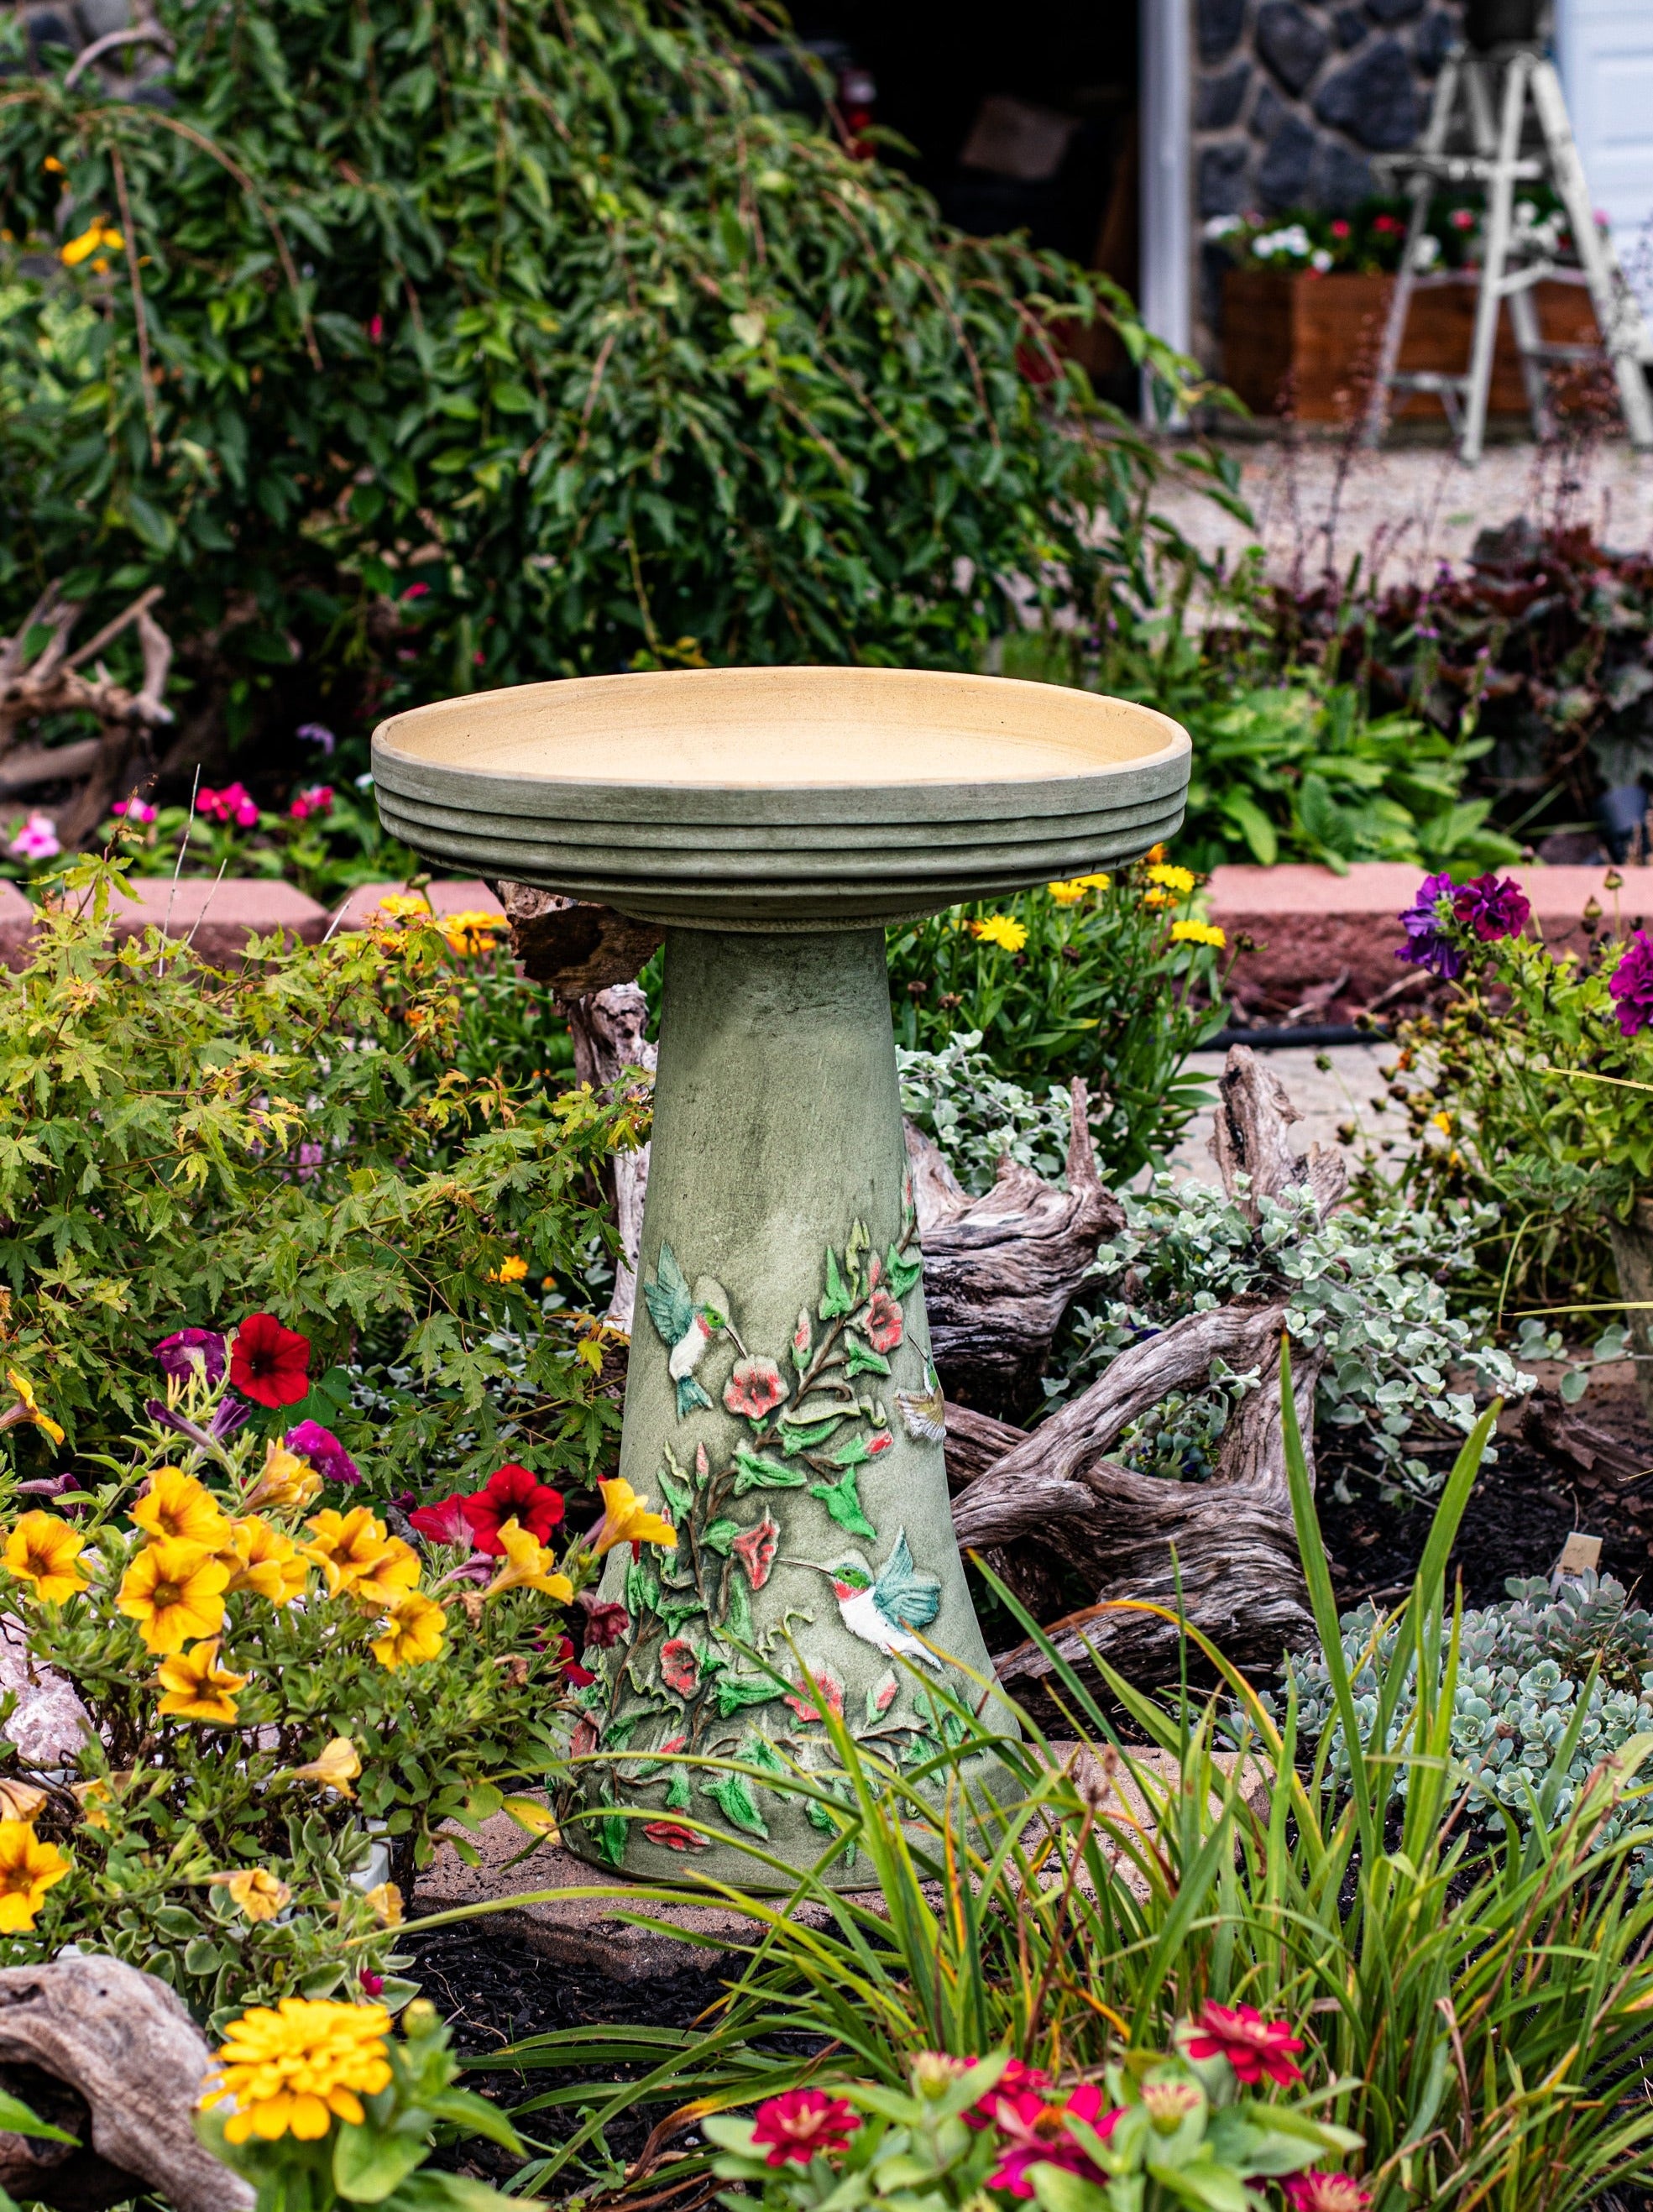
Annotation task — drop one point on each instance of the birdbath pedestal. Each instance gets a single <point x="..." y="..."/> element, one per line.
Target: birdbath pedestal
<point x="782" y="1406"/>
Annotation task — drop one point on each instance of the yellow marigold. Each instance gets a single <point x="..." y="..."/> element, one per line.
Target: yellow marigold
<point x="1155" y="854"/>
<point x="1172" y="879"/>
<point x="175" y="1592"/>
<point x="296" y="2069"/>
<point x="999" y="929"/>
<point x="513" y="1270"/>
<point x="472" y="932"/>
<point x="413" y="1632"/>
<point x="336" y="1765"/>
<point x="198" y="1688"/>
<point x="386" y="1898"/>
<point x="44" y="1551"/>
<point x="403" y="905"/>
<point x="389" y="1578"/>
<point x="176" y="1504"/>
<point x="287" y="1484"/>
<point x="258" y="1892"/>
<point x="28" y="1869"/>
<point x="26" y="1408"/>
<point x="528" y="1566"/>
<point x="626" y="1520"/>
<point x="99" y="238"/>
<point x="1197" y="932"/>
<point x="1070" y="893"/>
<point x="261" y="1559"/>
<point x="346" y="1545"/>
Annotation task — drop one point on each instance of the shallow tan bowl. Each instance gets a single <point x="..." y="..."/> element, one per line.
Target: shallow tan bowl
<point x="781" y="798"/>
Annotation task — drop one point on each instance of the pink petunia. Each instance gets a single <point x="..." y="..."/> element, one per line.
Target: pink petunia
<point x="444" y="1523"/>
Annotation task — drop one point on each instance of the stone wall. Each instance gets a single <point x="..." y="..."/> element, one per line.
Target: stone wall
<point x="1292" y="97"/>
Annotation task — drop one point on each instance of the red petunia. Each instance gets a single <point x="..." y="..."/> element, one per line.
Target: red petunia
<point x="1252" y="2047"/>
<point x="883" y="1323"/>
<point x="802" y="2124"/>
<point x="269" y="1363"/>
<point x="512" y="1494"/>
<point x="444" y="1523"/>
<point x="569" y="1666"/>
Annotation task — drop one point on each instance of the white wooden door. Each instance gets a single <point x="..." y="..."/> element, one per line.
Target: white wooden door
<point x="1605" y="49"/>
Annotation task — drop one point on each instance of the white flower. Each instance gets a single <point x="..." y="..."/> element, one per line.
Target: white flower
<point x="1320" y="260"/>
<point x="1427" y="252"/>
<point x="1222" y="226"/>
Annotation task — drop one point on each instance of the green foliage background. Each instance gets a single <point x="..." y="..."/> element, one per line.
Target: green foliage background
<point x="548" y="317"/>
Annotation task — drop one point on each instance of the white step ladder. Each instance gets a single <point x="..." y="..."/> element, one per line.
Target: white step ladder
<point x="1479" y="134"/>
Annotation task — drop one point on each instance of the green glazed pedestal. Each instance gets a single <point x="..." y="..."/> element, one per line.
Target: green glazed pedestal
<point x="781" y="1404"/>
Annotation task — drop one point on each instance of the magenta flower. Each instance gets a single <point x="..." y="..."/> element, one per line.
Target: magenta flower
<point x="234" y="803"/>
<point x="1631" y="984"/>
<point x="803" y="2125"/>
<point x="1252" y="2047"/>
<point x="1492" y="906"/>
<point x="444" y="1523"/>
<point x="37" y="840"/>
<point x="190" y="1351"/>
<point x="1425" y="922"/>
<point x="1035" y="2133"/>
<point x="314" y="798"/>
<point x="754" y="1389"/>
<point x="134" y="810"/>
<point x="323" y="1451"/>
<point x="605" y="1624"/>
<point x="755" y="1548"/>
<point x="1325" y="2192"/>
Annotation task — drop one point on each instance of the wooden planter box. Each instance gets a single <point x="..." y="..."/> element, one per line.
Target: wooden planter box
<point x="1306" y="344"/>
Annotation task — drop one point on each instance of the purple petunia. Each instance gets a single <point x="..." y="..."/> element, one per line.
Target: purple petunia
<point x="323" y="1451"/>
<point x="228" y="1416"/>
<point x="1632" y="984"/>
<point x="1427" y="944"/>
<point x="190" y="1351"/>
<point x="316" y="733"/>
<point x="1492" y="906"/>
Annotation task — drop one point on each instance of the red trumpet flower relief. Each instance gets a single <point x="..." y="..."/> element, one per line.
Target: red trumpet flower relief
<point x="680" y="1666"/>
<point x="269" y="1363"/>
<point x="511" y="1494"/>
<point x="674" y="1836"/>
<point x="883" y="1323"/>
<point x="806" y="1702"/>
<point x="1252" y="2047"/>
<point x="754" y="1389"/>
<point x="802" y="2125"/>
<point x="755" y="1548"/>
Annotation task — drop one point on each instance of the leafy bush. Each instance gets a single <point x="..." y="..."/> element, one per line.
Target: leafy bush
<point x="266" y="1684"/>
<point x="485" y="342"/>
<point x="179" y="1144"/>
<point x="1547" y="1685"/>
<point x="1112" y="978"/>
<point x="327" y="841"/>
<point x="959" y="1099"/>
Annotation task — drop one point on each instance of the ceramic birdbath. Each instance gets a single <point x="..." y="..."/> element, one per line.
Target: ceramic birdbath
<point x="781" y="1406"/>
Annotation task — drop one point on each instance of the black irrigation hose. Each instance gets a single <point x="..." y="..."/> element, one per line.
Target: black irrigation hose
<point x="1328" y="1033"/>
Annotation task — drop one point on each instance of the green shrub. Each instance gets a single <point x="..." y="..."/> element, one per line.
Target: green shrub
<point x="180" y="1144"/>
<point x="492" y="341"/>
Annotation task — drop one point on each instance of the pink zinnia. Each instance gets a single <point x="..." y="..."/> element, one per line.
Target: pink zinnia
<point x="1035" y="2133"/>
<point x="803" y="2125"/>
<point x="1252" y="2047"/>
<point x="1325" y="2192"/>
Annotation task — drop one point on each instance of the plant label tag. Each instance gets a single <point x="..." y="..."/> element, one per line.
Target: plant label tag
<point x="1579" y="1554"/>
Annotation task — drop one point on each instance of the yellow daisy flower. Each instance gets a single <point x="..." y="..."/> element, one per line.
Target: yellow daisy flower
<point x="413" y="1632"/>
<point x="260" y="1558"/>
<point x="28" y="1869"/>
<point x="198" y="1688"/>
<point x="1178" y="880"/>
<point x="1000" y="930"/>
<point x="401" y="906"/>
<point x="472" y="932"/>
<point x="175" y="1592"/>
<point x="336" y="1765"/>
<point x="44" y="1551"/>
<point x="626" y="1520"/>
<point x="26" y="1409"/>
<point x="1070" y="893"/>
<point x="528" y="1566"/>
<point x="296" y="2069"/>
<point x="1197" y="932"/>
<point x="346" y="1545"/>
<point x="176" y="1504"/>
<point x="257" y="1891"/>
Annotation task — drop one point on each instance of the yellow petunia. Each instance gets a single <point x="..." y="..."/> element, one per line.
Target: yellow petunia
<point x="176" y="1504"/>
<point x="1178" y="880"/>
<point x="286" y="1484"/>
<point x="44" y="1551"/>
<point x="258" y="1893"/>
<point x="175" y="1593"/>
<point x="21" y="1801"/>
<point x="414" y="1629"/>
<point x="198" y="1688"/>
<point x="388" y="1907"/>
<point x="296" y="2069"/>
<point x="528" y="1565"/>
<point x="388" y="1578"/>
<point x="26" y="1408"/>
<point x="335" y="1766"/>
<point x="346" y="1547"/>
<point x="261" y="1559"/>
<point x="1000" y="930"/>
<point x="626" y="1520"/>
<point x="1070" y="893"/>
<point x="28" y="1868"/>
<point x="1197" y="932"/>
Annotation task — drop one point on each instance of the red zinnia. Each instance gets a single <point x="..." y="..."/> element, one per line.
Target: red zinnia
<point x="512" y="1494"/>
<point x="1252" y="2047"/>
<point x="1325" y="2192"/>
<point x="269" y="1363"/>
<point x="1018" y="2080"/>
<point x="802" y="2124"/>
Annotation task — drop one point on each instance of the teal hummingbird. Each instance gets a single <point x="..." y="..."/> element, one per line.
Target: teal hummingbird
<point x="881" y="1609"/>
<point x="688" y="1324"/>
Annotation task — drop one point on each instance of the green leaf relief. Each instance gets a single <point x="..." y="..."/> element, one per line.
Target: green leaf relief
<point x="735" y="1692"/>
<point x="842" y="1501"/>
<point x="792" y="1441"/>
<point x="719" y="1536"/>
<point x="837" y="1299"/>
<point x="753" y="1472"/>
<point x="862" y="1359"/>
<point x="901" y="1272"/>
<point x="732" y="1794"/>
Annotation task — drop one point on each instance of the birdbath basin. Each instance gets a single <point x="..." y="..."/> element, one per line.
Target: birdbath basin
<point x="781" y="1406"/>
